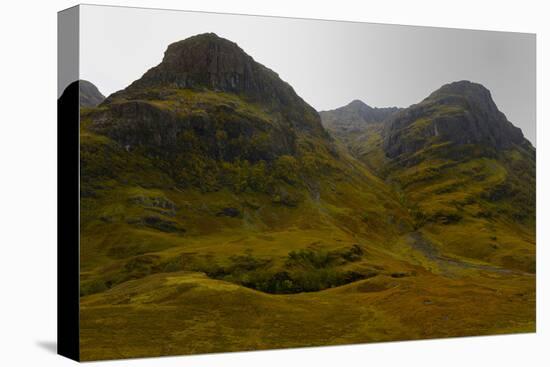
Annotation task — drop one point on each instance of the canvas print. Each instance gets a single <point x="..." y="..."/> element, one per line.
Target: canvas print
<point x="250" y="183"/>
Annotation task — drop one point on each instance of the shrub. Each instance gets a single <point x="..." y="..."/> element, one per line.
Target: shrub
<point x="310" y="259"/>
<point x="353" y="254"/>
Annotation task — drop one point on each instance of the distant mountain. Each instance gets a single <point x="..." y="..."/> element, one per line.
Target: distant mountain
<point x="90" y="96"/>
<point x="355" y="116"/>
<point x="459" y="113"/>
<point x="355" y="125"/>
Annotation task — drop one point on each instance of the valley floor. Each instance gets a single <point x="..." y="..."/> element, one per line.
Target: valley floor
<point x="189" y="313"/>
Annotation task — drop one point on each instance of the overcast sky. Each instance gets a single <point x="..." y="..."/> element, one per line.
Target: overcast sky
<point x="328" y="63"/>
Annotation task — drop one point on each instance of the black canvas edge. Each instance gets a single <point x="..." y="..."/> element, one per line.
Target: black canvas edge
<point x="68" y="189"/>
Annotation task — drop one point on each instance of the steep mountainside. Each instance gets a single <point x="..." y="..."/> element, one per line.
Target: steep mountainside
<point x="90" y="96"/>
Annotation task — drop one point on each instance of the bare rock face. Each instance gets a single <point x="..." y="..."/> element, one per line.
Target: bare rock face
<point x="459" y="113"/>
<point x="90" y="96"/>
<point x="355" y="116"/>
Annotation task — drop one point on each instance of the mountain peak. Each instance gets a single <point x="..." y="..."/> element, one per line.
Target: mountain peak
<point x="462" y="87"/>
<point x="206" y="53"/>
<point x="465" y="90"/>
<point x="460" y="113"/>
<point x="207" y="61"/>
<point x="358" y="103"/>
<point x="202" y="39"/>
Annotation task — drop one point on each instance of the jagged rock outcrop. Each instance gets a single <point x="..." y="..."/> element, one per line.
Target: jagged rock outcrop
<point x="460" y="113"/>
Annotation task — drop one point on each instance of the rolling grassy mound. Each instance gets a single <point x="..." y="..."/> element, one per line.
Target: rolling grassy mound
<point x="184" y="313"/>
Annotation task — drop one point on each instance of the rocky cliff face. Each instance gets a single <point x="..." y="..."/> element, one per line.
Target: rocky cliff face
<point x="460" y="113"/>
<point x="217" y="129"/>
<point x="355" y="116"/>
<point x="90" y="96"/>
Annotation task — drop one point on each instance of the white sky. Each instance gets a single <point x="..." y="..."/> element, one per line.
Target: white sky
<point x="328" y="63"/>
